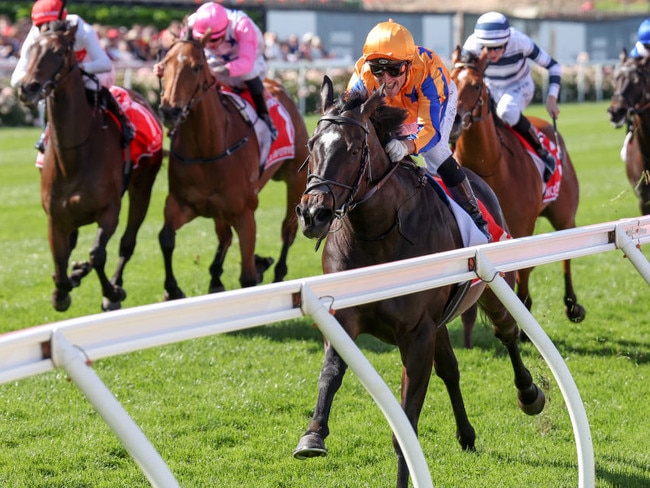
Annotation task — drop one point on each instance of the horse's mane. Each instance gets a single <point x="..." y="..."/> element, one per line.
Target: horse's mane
<point x="386" y="120"/>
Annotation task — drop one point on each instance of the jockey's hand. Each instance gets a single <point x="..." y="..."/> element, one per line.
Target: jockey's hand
<point x="220" y="71"/>
<point x="158" y="69"/>
<point x="396" y="150"/>
<point x="552" y="107"/>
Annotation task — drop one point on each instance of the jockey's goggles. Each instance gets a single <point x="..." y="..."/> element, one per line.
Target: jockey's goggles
<point x="394" y="68"/>
<point x="496" y="48"/>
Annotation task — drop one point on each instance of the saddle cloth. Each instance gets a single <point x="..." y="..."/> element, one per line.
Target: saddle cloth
<point x="471" y="234"/>
<point x="552" y="187"/>
<point x="284" y="145"/>
<point x="148" y="137"/>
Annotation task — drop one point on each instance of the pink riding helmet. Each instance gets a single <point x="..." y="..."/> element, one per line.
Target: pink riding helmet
<point x="209" y="15"/>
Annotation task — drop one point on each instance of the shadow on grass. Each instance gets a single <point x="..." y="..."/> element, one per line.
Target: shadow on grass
<point x="306" y="330"/>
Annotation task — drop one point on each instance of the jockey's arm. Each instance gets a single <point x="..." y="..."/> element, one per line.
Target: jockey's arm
<point x="246" y="37"/>
<point x="96" y="60"/>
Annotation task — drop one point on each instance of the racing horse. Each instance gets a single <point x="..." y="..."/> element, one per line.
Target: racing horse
<point x="214" y="166"/>
<point x="630" y="105"/>
<point x="371" y="211"/>
<point x="484" y="144"/>
<point x="85" y="170"/>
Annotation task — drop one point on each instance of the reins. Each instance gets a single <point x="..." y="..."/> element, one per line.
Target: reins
<point x="364" y="168"/>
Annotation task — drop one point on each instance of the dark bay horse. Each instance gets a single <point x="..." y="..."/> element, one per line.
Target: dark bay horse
<point x="371" y="211"/>
<point x="84" y="171"/>
<point x="485" y="145"/>
<point x="631" y="105"/>
<point x="214" y="166"/>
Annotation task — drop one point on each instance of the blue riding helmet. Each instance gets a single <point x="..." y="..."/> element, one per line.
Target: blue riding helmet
<point x="644" y="32"/>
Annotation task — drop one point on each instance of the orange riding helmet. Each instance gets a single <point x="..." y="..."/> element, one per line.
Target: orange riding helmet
<point x="389" y="40"/>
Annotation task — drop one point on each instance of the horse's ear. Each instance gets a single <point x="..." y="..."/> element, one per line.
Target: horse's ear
<point x="71" y="32"/>
<point x="622" y="56"/>
<point x="326" y="94"/>
<point x="370" y="105"/>
<point x="455" y="55"/>
<point x="482" y="60"/>
<point x="206" y="37"/>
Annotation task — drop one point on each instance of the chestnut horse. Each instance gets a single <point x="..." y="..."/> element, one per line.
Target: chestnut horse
<point x="631" y="105"/>
<point x="214" y="166"/>
<point x="84" y="172"/>
<point x="386" y="212"/>
<point x="488" y="147"/>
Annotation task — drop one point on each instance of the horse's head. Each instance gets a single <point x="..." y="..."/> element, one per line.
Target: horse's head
<point x="344" y="152"/>
<point x="51" y="58"/>
<point x="473" y="98"/>
<point x="631" y="89"/>
<point x="186" y="78"/>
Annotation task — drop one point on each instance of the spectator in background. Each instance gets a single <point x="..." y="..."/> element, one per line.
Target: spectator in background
<point x="272" y="48"/>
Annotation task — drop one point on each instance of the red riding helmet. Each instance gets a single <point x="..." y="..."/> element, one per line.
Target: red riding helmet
<point x="48" y="10"/>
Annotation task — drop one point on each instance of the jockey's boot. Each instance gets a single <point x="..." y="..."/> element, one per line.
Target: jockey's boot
<point x="109" y="102"/>
<point x="40" y="144"/>
<point x="256" y="89"/>
<point x="462" y="193"/>
<point x="526" y="129"/>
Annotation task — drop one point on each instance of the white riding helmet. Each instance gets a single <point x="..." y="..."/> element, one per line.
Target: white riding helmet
<point x="492" y="29"/>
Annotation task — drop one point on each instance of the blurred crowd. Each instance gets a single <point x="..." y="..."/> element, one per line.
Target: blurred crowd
<point x="146" y="42"/>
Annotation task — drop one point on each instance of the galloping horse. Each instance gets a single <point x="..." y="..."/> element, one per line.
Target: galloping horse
<point x="214" y="166"/>
<point x="84" y="172"/>
<point x="387" y="212"/>
<point x="631" y="104"/>
<point x="492" y="150"/>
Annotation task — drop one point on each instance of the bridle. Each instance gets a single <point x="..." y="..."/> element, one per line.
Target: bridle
<point x="58" y="76"/>
<point x="469" y="117"/>
<point x="314" y="180"/>
<point x="635" y="107"/>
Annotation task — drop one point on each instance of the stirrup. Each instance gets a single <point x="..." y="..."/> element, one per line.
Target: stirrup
<point x="274" y="131"/>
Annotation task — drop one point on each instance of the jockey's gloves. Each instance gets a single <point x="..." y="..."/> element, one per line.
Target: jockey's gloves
<point x="396" y="150"/>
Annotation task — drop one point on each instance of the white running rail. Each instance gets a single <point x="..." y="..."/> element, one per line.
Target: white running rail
<point x="71" y="343"/>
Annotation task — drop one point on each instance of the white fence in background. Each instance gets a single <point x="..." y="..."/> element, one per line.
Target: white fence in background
<point x="70" y="344"/>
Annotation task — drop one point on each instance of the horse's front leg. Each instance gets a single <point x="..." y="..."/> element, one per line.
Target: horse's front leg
<point x="224" y="235"/>
<point x="312" y="443"/>
<point x="111" y="293"/>
<point x="530" y="397"/>
<point x="175" y="217"/>
<point x="61" y="248"/>
<point x="246" y="228"/>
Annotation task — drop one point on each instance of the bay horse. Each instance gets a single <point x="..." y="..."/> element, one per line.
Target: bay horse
<point x="387" y="212"/>
<point x="484" y="144"/>
<point x="630" y="105"/>
<point x="85" y="171"/>
<point x="214" y="166"/>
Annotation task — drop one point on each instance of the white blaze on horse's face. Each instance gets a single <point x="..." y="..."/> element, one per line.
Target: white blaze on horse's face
<point x="330" y="138"/>
<point x="181" y="58"/>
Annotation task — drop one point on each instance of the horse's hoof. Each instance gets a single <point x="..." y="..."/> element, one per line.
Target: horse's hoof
<point x="79" y="271"/>
<point x="61" y="304"/>
<point x="311" y="445"/>
<point x="109" y="306"/>
<point x="216" y="289"/>
<point x="576" y="313"/>
<point x="536" y="406"/>
<point x="261" y="265"/>
<point x="175" y="295"/>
